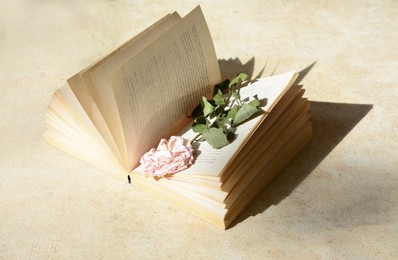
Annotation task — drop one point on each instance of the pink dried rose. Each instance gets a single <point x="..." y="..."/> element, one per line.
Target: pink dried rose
<point x="171" y="156"/>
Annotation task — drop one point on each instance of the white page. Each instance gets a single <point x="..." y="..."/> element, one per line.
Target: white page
<point x="210" y="161"/>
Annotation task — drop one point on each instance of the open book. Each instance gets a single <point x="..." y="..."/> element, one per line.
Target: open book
<point x="115" y="110"/>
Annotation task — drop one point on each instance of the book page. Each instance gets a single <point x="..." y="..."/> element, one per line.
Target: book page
<point x="70" y="129"/>
<point x="212" y="161"/>
<point x="92" y="88"/>
<point x="90" y="107"/>
<point x="158" y="88"/>
<point x="97" y="79"/>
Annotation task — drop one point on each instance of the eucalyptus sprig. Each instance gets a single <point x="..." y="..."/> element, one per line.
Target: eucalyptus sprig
<point x="216" y="119"/>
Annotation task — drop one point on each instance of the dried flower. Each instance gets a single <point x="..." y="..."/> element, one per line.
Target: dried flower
<point x="171" y="156"/>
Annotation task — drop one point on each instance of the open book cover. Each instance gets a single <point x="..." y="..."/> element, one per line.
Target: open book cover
<point x="118" y="108"/>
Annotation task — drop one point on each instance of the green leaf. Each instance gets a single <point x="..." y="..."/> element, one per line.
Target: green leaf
<point x="218" y="98"/>
<point x="207" y="107"/>
<point x="216" y="137"/>
<point x="232" y="113"/>
<point x="225" y="121"/>
<point x="240" y="77"/>
<point x="244" y="113"/>
<point x="217" y="111"/>
<point x="200" y="125"/>
<point x="255" y="102"/>
<point x="220" y="125"/>
<point x="216" y="119"/>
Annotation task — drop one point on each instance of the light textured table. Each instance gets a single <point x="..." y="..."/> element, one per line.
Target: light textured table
<point x="338" y="199"/>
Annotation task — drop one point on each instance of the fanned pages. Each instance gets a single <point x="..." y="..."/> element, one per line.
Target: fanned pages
<point x="115" y="110"/>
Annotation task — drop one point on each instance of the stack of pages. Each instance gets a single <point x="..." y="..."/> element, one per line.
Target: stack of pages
<point x="115" y="110"/>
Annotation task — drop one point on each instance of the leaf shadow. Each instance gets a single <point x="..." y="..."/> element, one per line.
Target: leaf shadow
<point x="231" y="67"/>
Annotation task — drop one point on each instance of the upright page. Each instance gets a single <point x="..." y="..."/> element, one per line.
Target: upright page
<point x="94" y="92"/>
<point x="157" y="89"/>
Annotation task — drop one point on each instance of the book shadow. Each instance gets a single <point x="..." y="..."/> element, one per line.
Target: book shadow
<point x="331" y="122"/>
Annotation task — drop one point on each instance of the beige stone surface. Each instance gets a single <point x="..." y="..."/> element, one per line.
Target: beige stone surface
<point x="338" y="199"/>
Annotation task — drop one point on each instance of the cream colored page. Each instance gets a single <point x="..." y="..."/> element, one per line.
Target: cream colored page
<point x="157" y="89"/>
<point x="88" y="97"/>
<point x="91" y="109"/>
<point x="211" y="161"/>
<point x="70" y="129"/>
<point x="154" y="27"/>
<point x="98" y="82"/>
